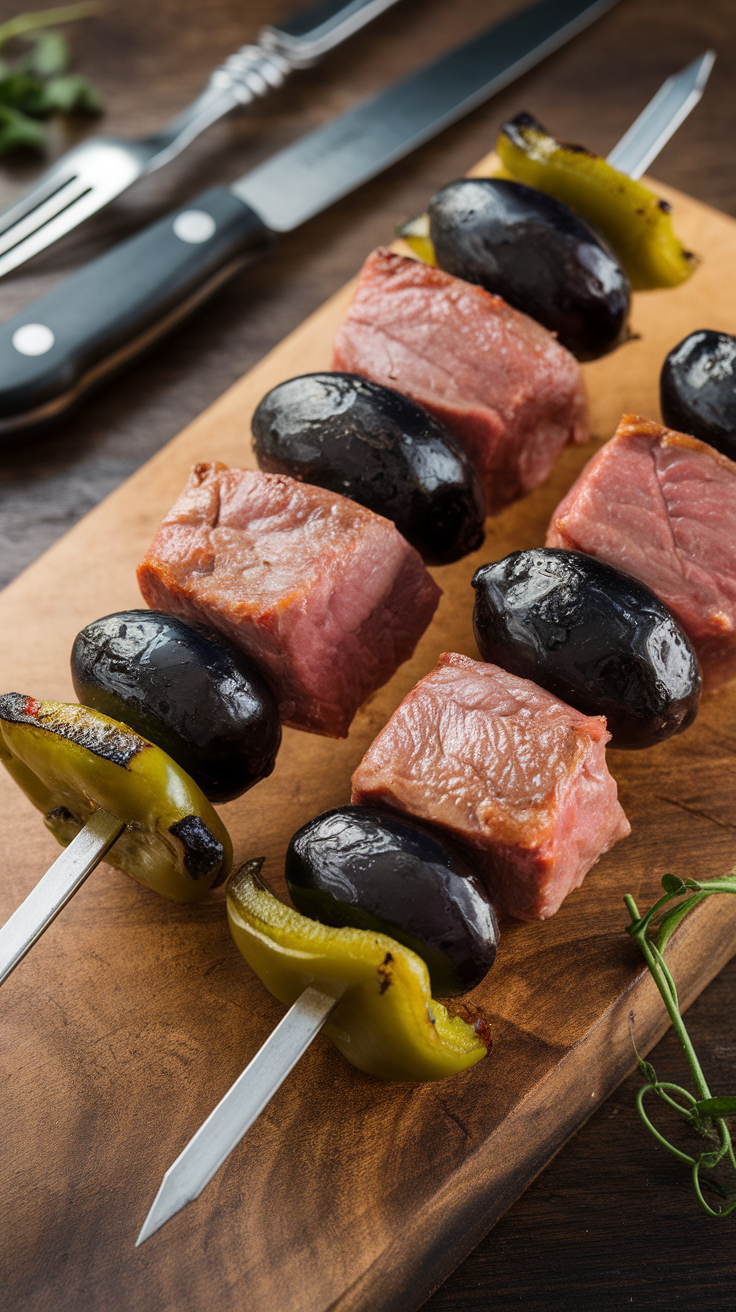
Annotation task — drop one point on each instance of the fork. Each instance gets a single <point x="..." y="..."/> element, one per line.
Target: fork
<point x="95" y="172"/>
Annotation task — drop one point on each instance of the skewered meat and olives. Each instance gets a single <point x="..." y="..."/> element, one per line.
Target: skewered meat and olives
<point x="368" y="868"/>
<point x="70" y="760"/>
<point x="345" y="433"/>
<point x="592" y="635"/>
<point x="697" y="389"/>
<point x="187" y="689"/>
<point x="538" y="255"/>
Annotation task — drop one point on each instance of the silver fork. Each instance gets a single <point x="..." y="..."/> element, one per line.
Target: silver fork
<point x="95" y="172"/>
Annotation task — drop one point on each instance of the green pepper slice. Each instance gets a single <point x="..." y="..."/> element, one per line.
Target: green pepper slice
<point x="70" y="760"/>
<point x="415" y="232"/>
<point x="386" y="1022"/>
<point x="635" y="221"/>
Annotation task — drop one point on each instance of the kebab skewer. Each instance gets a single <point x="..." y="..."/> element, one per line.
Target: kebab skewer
<point x="233" y="1116"/>
<point x="308" y="1005"/>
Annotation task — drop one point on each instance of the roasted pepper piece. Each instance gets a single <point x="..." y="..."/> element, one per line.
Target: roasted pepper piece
<point x="70" y="760"/>
<point x="415" y="232"/>
<point x="635" y="221"/>
<point x="386" y="1022"/>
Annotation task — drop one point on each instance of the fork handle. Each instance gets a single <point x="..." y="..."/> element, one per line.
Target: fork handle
<point x="111" y="310"/>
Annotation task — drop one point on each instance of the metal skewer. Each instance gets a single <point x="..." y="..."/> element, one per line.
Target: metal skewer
<point x="661" y="118"/>
<point x="251" y="1092"/>
<point x="53" y="891"/>
<point x="236" y="1112"/>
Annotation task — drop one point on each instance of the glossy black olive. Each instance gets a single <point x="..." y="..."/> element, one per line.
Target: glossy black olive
<point x="593" y="636"/>
<point x="186" y="689"/>
<point x="372" y="444"/>
<point x="697" y="389"/>
<point x="538" y="255"/>
<point x="368" y="868"/>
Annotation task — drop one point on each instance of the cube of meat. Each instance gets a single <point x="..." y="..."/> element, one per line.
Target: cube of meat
<point x="326" y="596"/>
<point x="513" y="773"/>
<point x="510" y="394"/>
<point x="662" y="506"/>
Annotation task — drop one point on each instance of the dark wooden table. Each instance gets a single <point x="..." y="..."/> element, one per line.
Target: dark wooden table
<point x="611" y="1224"/>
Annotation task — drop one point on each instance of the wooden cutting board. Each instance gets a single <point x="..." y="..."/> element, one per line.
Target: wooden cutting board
<point x="132" y="1016"/>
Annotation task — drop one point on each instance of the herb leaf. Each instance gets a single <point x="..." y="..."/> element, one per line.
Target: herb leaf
<point x="71" y="93"/>
<point x="49" y="55"/>
<point x="38" y="84"/>
<point x="17" y="130"/>
<point x="673" y="884"/>
<point x="716" y="1107"/>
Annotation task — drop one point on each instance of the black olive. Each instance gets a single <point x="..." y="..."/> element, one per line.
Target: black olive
<point x="368" y="868"/>
<point x="593" y="636"/>
<point x="186" y="689"/>
<point x="538" y="255"/>
<point x="697" y="389"/>
<point x="372" y="444"/>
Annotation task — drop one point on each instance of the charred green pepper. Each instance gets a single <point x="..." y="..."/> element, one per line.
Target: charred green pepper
<point x="70" y="760"/>
<point x="635" y="221"/>
<point x="386" y="1022"/>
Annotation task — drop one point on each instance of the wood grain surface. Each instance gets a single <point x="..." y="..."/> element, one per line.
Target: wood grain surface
<point x="609" y="1224"/>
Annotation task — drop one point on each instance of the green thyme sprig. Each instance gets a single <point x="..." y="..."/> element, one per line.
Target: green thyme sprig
<point x="38" y="83"/>
<point x="704" y="1113"/>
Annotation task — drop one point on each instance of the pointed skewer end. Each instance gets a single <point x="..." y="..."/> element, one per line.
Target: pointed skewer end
<point x="160" y="1213"/>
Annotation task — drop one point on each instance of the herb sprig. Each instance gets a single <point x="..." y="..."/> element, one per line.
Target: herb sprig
<point x="38" y="83"/>
<point x="704" y="1114"/>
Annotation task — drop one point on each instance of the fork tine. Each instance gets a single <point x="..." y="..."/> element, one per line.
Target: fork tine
<point x="86" y="204"/>
<point x="42" y="213"/>
<point x="50" y="183"/>
<point x="93" y="174"/>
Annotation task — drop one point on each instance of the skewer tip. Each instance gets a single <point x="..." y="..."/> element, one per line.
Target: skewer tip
<point x="160" y="1213"/>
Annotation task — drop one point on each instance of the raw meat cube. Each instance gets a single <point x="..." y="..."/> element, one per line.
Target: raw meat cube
<point x="513" y="773"/>
<point x="662" y="506"/>
<point x="510" y="394"/>
<point x="326" y="596"/>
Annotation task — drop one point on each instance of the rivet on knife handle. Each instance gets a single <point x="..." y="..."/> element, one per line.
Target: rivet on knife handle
<point x="117" y="305"/>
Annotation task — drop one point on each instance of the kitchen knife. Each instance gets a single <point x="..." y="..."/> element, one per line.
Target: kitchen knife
<point x="112" y="309"/>
<point x="233" y="1116"/>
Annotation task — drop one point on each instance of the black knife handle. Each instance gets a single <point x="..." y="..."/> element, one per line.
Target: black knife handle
<point x="115" y="307"/>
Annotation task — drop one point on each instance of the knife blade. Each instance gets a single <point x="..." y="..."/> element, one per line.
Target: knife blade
<point x="112" y="309"/>
<point x="233" y="1116"/>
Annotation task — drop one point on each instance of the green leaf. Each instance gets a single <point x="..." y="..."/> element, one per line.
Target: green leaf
<point x="22" y="92"/>
<point x="17" y="131"/>
<point x="50" y="55"/>
<point x="715" y="1107"/>
<point x="673" y="884"/>
<point x="70" y="94"/>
